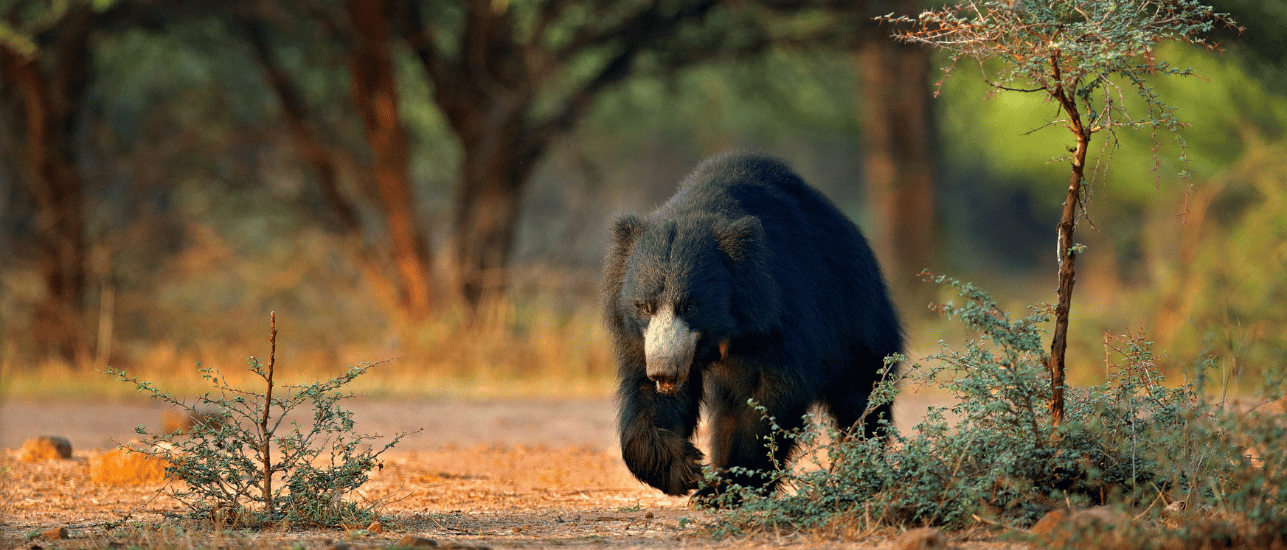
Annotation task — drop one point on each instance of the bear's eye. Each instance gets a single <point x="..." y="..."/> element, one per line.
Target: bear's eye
<point x="646" y="308"/>
<point x="684" y="308"/>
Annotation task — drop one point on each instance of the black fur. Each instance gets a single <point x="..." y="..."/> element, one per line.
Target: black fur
<point x="746" y="253"/>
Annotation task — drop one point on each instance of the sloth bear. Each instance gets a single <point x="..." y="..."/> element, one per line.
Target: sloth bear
<point x="747" y="284"/>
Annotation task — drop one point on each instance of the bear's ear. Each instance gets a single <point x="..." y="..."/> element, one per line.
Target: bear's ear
<point x="755" y="293"/>
<point x="625" y="229"/>
<point x="740" y="238"/>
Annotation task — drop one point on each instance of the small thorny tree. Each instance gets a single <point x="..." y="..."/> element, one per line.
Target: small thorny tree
<point x="1087" y="57"/>
<point x="241" y="440"/>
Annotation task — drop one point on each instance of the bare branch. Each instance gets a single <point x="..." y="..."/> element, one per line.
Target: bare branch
<point x="420" y="38"/>
<point x="296" y="115"/>
<point x="638" y="33"/>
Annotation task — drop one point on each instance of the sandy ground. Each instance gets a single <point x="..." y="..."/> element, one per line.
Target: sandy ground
<point x="551" y="423"/>
<point x="524" y="473"/>
<point x="463" y="423"/>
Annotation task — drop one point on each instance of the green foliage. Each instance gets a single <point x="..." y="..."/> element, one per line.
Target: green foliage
<point x="1222" y="107"/>
<point x="24" y="19"/>
<point x="1095" y="59"/>
<point x="1083" y="48"/>
<point x="234" y="444"/>
<point x="1083" y="56"/>
<point x="994" y="457"/>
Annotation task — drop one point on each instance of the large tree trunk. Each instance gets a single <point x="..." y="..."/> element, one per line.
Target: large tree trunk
<point x="51" y="98"/>
<point x="375" y="93"/>
<point x="487" y="88"/>
<point x="494" y="177"/>
<point x="486" y="94"/>
<point x="898" y="135"/>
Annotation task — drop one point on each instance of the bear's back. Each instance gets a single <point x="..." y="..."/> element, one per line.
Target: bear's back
<point x="799" y="222"/>
<point x="816" y="254"/>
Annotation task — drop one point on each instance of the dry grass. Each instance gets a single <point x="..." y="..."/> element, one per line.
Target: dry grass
<point x="534" y="349"/>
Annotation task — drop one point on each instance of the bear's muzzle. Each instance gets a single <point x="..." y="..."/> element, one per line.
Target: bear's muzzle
<point x="669" y="345"/>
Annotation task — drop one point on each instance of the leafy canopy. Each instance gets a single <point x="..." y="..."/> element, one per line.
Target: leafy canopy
<point x="1092" y="52"/>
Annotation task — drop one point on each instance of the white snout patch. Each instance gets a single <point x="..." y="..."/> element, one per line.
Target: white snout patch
<point x="669" y="345"/>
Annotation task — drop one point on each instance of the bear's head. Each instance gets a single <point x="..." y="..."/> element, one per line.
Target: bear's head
<point x="684" y="290"/>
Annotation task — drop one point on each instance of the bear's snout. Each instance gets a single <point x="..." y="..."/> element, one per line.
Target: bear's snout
<point x="669" y="345"/>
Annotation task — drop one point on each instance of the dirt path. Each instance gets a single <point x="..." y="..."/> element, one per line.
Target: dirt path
<point x="550" y="423"/>
<point x="494" y="473"/>
<point x="463" y="423"/>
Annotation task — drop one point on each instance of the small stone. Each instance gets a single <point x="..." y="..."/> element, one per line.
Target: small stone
<point x="57" y="533"/>
<point x="45" y="447"/>
<point x="125" y="467"/>
<point x="412" y="541"/>
<point x="183" y="421"/>
<point x="924" y="538"/>
<point x="1088" y="528"/>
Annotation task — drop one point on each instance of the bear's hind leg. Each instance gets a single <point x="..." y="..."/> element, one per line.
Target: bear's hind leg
<point x="849" y="405"/>
<point x="740" y="434"/>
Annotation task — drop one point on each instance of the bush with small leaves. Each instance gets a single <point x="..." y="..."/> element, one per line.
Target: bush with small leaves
<point x="230" y="458"/>
<point x="1132" y="442"/>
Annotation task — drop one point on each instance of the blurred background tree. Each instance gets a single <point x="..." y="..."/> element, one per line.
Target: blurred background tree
<point x="45" y="52"/>
<point x="431" y="179"/>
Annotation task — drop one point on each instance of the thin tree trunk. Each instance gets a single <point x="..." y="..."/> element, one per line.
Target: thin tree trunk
<point x="375" y="92"/>
<point x="266" y="451"/>
<point x="1066" y="253"/>
<point x="51" y="101"/>
<point x="899" y="169"/>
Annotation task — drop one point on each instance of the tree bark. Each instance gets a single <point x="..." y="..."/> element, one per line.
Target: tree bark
<point x="375" y="93"/>
<point x="1067" y="254"/>
<point x="486" y="94"/>
<point x="51" y="95"/>
<point x="899" y="169"/>
<point x="487" y="90"/>
<point x="487" y="212"/>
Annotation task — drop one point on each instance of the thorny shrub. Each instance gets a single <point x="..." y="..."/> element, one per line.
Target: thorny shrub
<point x="1167" y="454"/>
<point x="243" y="462"/>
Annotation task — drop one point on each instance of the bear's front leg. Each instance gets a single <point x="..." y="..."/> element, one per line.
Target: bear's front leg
<point x="656" y="434"/>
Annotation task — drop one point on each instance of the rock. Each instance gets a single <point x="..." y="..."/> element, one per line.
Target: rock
<point x="1098" y="527"/>
<point x="45" y="447"/>
<point x="924" y="538"/>
<point x="57" y="533"/>
<point x="412" y="541"/>
<point x="182" y="421"/>
<point x="125" y="467"/>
